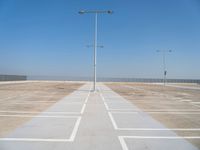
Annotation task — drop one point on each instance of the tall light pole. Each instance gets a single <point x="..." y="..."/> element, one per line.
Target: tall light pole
<point x="164" y="64"/>
<point x="96" y="12"/>
<point x="99" y="46"/>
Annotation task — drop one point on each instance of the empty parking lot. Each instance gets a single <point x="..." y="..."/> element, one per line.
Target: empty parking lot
<point x="124" y="116"/>
<point x="176" y="106"/>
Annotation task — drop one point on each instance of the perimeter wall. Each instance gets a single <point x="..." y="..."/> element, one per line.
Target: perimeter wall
<point x="12" y="77"/>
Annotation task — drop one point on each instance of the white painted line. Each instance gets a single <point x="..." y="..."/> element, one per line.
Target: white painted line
<point x="27" y="102"/>
<point x="113" y="121"/>
<point x="179" y="110"/>
<point x="117" y="102"/>
<point x="34" y="140"/>
<point x="124" y="145"/>
<point x="185" y="87"/>
<point x="113" y="97"/>
<point x="37" y="112"/>
<point x="175" y="113"/>
<point x="68" y="97"/>
<point x="176" y="98"/>
<point x="158" y="129"/>
<point x="83" y="108"/>
<point x="102" y="97"/>
<point x="71" y="139"/>
<point x="185" y="100"/>
<point x="158" y="93"/>
<point x="75" y="130"/>
<point x="86" y="100"/>
<point x="124" y="112"/>
<point x="161" y="137"/>
<point x="88" y="96"/>
<point x="196" y="105"/>
<point x="106" y="106"/>
<point x="146" y="129"/>
<point x="30" y="103"/>
<point x="38" y="116"/>
<point x="157" y="112"/>
<point x="167" y="111"/>
<point x="195" y="102"/>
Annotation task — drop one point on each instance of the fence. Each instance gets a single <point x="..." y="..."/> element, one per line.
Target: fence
<point x="104" y="79"/>
<point x="12" y="77"/>
<point x="148" y="80"/>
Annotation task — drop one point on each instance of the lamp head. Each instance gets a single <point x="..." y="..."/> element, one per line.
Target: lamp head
<point x="81" y="12"/>
<point x="110" y="12"/>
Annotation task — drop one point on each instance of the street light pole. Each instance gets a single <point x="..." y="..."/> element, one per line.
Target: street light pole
<point x="164" y="68"/>
<point x="95" y="52"/>
<point x="96" y="12"/>
<point x="164" y="65"/>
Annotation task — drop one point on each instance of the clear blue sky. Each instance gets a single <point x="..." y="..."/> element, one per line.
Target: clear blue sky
<point x="49" y="37"/>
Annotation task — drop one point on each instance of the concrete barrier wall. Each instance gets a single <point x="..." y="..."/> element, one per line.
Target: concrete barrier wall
<point x="148" y="80"/>
<point x="12" y="77"/>
<point x="112" y="79"/>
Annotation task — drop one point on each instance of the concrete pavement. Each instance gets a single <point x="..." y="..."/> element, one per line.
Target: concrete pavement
<point x="93" y="121"/>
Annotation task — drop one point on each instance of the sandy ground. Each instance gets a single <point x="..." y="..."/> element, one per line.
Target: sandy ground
<point x="29" y="98"/>
<point x="172" y="106"/>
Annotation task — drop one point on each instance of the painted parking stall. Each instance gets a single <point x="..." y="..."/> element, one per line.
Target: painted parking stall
<point x="59" y="123"/>
<point x="101" y="120"/>
<point x="138" y="130"/>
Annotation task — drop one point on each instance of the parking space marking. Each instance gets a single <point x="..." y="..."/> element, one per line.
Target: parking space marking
<point x="195" y="102"/>
<point x="51" y="112"/>
<point x="173" y="111"/>
<point x="161" y="94"/>
<point x="185" y="100"/>
<point x="106" y="106"/>
<point x="156" y="111"/>
<point x="28" y="102"/>
<point x="125" y="147"/>
<point x="184" y="87"/>
<point x="71" y="139"/>
<point x="163" y="111"/>
<point x="196" y="105"/>
<point x="83" y="109"/>
<point x="166" y="95"/>
<point x="122" y="142"/>
<point x="38" y="116"/>
<point x="24" y="94"/>
<point x="37" y="112"/>
<point x="176" y="113"/>
<point x="34" y="140"/>
<point x="86" y="100"/>
<point x="74" y="131"/>
<point x="31" y="102"/>
<point x="146" y="129"/>
<point x="161" y="137"/>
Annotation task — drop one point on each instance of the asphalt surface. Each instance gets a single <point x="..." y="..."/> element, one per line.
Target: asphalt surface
<point x="87" y="120"/>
